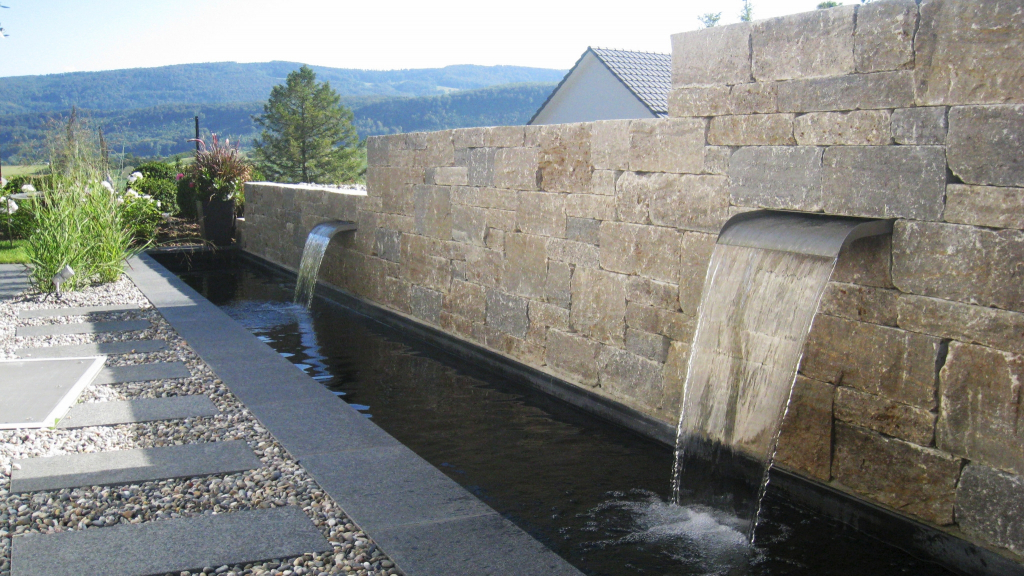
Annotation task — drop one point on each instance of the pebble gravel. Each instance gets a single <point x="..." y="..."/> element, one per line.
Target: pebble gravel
<point x="280" y="481"/>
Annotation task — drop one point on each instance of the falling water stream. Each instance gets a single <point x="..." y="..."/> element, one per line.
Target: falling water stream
<point x="312" y="255"/>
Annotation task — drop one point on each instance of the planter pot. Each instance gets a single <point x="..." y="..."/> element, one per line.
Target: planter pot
<point x="217" y="221"/>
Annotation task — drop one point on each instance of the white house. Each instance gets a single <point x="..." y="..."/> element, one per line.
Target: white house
<point x="610" y="85"/>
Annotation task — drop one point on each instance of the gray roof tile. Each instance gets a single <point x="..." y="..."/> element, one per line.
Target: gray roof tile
<point x="646" y="74"/>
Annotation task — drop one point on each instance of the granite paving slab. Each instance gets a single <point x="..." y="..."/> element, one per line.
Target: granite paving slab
<point x="142" y="372"/>
<point x="93" y="349"/>
<point x="140" y="410"/>
<point x="128" y="466"/>
<point x="13" y="280"/>
<point x="306" y="428"/>
<point x="82" y="328"/>
<point x="384" y="487"/>
<point x="165" y="546"/>
<point x="76" y="311"/>
<point x="34" y="393"/>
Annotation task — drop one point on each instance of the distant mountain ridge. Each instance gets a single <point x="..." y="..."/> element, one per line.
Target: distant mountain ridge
<point x="228" y="82"/>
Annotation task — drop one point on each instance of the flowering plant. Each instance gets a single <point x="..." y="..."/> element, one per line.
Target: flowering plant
<point x="218" y="172"/>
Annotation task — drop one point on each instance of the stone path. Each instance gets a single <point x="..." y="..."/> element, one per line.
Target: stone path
<point x="141" y="410"/>
<point x="82" y="328"/>
<point x="142" y="372"/>
<point x="92" y="349"/>
<point x="170" y="545"/>
<point x="13" y="279"/>
<point x="76" y="311"/>
<point x="34" y="393"/>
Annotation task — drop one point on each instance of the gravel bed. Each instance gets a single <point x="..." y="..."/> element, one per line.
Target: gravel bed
<point x="280" y="481"/>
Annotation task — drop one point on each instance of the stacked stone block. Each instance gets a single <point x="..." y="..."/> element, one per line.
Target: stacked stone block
<point x="582" y="249"/>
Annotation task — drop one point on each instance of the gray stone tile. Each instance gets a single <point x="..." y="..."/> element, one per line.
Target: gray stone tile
<point x="142" y="372"/>
<point x="82" y="328"/>
<point x="471" y="546"/>
<point x="35" y="393"/>
<point x="78" y="311"/>
<point x="306" y="428"/>
<point x="141" y="410"/>
<point x="128" y="466"/>
<point x="385" y="487"/>
<point x="92" y="349"/>
<point x="166" y="546"/>
<point x="13" y="280"/>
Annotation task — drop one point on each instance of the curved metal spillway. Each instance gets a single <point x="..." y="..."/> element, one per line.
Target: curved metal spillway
<point x="762" y="289"/>
<point x="313" y="254"/>
<point x="814" y="234"/>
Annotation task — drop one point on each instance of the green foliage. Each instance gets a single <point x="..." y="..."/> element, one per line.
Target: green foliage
<point x="157" y="180"/>
<point x="710" y="20"/>
<point x="747" y="11"/>
<point x="307" y="135"/>
<point x="828" y="4"/>
<point x="14" y="252"/>
<point x="19" y="223"/>
<point x="157" y="170"/>
<point x="140" y="215"/>
<point x="218" y="172"/>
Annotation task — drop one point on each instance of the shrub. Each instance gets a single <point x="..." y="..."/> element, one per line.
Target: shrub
<point x="20" y="221"/>
<point x="157" y="170"/>
<point x="140" y="215"/>
<point x="160" y="189"/>
<point x="218" y="173"/>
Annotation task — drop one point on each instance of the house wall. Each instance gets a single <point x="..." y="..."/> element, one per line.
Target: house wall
<point x="581" y="249"/>
<point x="591" y="92"/>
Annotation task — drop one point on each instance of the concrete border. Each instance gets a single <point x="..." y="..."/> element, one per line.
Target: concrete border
<point x="336" y="432"/>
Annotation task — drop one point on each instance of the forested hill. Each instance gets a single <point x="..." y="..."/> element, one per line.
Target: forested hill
<point x="228" y="82"/>
<point x="164" y="130"/>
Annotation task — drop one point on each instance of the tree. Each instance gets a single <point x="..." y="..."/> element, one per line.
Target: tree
<point x="307" y="135"/>
<point x="747" y="11"/>
<point x="710" y="20"/>
<point x="829" y="4"/>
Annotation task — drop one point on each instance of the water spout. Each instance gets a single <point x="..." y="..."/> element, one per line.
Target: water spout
<point x="761" y="292"/>
<point x="313" y="254"/>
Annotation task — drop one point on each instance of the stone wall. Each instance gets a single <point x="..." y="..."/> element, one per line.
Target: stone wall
<point x="581" y="249"/>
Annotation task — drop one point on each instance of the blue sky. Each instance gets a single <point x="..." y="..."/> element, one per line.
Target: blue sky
<point x="52" y="36"/>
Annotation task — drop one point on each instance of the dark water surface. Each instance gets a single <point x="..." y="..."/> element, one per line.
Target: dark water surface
<point x="592" y="492"/>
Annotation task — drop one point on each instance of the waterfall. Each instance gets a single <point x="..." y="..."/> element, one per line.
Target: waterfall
<point x="312" y="255"/>
<point x="762" y="289"/>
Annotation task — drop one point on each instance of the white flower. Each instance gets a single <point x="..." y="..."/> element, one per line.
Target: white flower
<point x="109" y="187"/>
<point x="131" y="193"/>
<point x="135" y="176"/>
<point x="28" y="188"/>
<point x="3" y="181"/>
<point x="147" y="196"/>
<point x="12" y="206"/>
<point x="120" y="200"/>
<point x="158" y="204"/>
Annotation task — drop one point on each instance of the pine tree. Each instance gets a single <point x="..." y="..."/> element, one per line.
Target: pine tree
<point x="307" y="135"/>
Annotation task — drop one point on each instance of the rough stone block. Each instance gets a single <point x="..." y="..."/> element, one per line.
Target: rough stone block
<point x="466" y="300"/>
<point x="652" y="293"/>
<point x="717" y="55"/>
<point x="599" y="305"/>
<point x="502" y="220"/>
<point x="575" y="253"/>
<point x="675" y="325"/>
<point x="867" y="262"/>
<point x="541" y="213"/>
<point x="630" y="377"/>
<point x="808" y="45"/>
<point x="451" y="176"/>
<point x="590" y="206"/>
<point x="989" y="206"/>
<point x="861" y="303"/>
<point x="985" y="144"/>
<point x="504" y="136"/>
<point x="587" y="230"/>
<point x="805" y="441"/>
<point x="695" y="251"/>
<point x="874" y="91"/>
<point x="438" y="150"/>
<point x="542" y="314"/>
<point x="879" y="360"/>
<point x="693" y="101"/>
<point x="558" y="287"/>
<point x="376" y="151"/>
<point x="517" y="168"/>
<point x="651" y="346"/>
<point x="689" y="202"/>
<point x="425" y="304"/>
<point x="485" y="197"/>
<point x="857" y="128"/>
<point x="969" y="52"/>
<point x="667" y="145"/>
<point x="752" y="130"/>
<point x="508" y="313"/>
<point x="469" y="224"/>
<point x="603" y="181"/>
<point x="883" y="415"/>
<point x="885" y="181"/>
<point x="633" y="196"/>
<point x="990" y="505"/>
<point x="387" y="244"/>
<point x="919" y="126"/>
<point x="424" y="262"/>
<point x="716" y="159"/>
<point x="397" y="222"/>
<point x="650" y="251"/>
<point x="609" y="144"/>
<point x="884" y="39"/>
<point x="781" y="177"/>
<point x="469" y="138"/>
<point x="999" y="329"/>
<point x="981" y="406"/>
<point x="988" y="263"/>
<point x="484" y="266"/>
<point x="433" y="211"/>
<point x="479" y="164"/>
<point x="565" y="158"/>
<point x="574" y="356"/>
<point x="674" y="378"/>
<point x="914" y="480"/>
<point x="525" y="270"/>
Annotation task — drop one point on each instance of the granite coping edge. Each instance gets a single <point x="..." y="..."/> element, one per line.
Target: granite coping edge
<point x="190" y="314"/>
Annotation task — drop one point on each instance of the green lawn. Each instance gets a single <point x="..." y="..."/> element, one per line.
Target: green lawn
<point x="22" y="169"/>
<point x="16" y="255"/>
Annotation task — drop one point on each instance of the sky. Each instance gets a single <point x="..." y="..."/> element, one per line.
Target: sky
<point x="54" y="36"/>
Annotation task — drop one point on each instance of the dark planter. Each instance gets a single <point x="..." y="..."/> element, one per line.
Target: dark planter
<point x="217" y="221"/>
